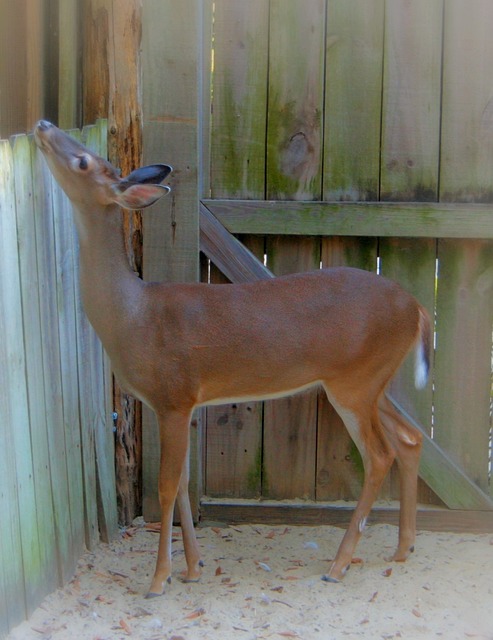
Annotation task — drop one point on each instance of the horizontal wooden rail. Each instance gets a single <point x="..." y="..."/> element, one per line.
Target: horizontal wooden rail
<point x="382" y="219"/>
<point x="298" y="512"/>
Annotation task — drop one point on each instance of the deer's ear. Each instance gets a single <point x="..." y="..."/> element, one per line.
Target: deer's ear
<point x="138" y="196"/>
<point x="152" y="174"/>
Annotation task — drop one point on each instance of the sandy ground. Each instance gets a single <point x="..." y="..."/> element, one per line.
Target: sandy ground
<point x="264" y="582"/>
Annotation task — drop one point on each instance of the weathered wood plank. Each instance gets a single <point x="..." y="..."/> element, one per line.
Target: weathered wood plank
<point x="65" y="290"/>
<point x="411" y="100"/>
<point x="95" y="66"/>
<point x="15" y="459"/>
<point x="463" y="355"/>
<point x="409" y="165"/>
<point x="294" y="171"/>
<point x="239" y="115"/>
<point x="353" y="108"/>
<point x="13" y="102"/>
<point x="310" y="513"/>
<point x="467" y="106"/>
<point x="69" y="106"/>
<point x="85" y="342"/>
<point x="41" y="569"/>
<point x="111" y="84"/>
<point x="351" y="172"/>
<point x="234" y="450"/>
<point x="104" y="440"/>
<point x="51" y="197"/>
<point x="43" y="214"/>
<point x="294" y="133"/>
<point x="427" y="220"/>
<point x="465" y="276"/>
<point x="237" y="169"/>
<point x="170" y="86"/>
<point x="36" y="69"/>
<point x="125" y="151"/>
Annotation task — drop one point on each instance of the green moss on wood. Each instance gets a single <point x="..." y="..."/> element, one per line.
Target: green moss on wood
<point x="256" y="480"/>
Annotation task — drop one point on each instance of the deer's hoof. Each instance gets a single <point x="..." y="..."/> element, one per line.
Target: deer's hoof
<point x="153" y="592"/>
<point x="336" y="575"/>
<point x="400" y="556"/>
<point x="327" y="578"/>
<point x="195" y="575"/>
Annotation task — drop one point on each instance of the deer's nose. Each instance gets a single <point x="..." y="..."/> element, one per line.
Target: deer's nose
<point x="43" y="125"/>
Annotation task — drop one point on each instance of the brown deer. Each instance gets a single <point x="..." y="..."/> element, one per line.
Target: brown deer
<point x="180" y="346"/>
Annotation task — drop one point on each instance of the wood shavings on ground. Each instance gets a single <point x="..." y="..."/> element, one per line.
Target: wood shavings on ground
<point x="263" y="582"/>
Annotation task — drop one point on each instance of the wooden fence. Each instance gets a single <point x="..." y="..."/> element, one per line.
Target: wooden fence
<point x="57" y="484"/>
<point x="334" y="132"/>
<point x="318" y="132"/>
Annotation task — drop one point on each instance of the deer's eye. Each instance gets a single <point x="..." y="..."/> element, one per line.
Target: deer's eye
<point x="83" y="164"/>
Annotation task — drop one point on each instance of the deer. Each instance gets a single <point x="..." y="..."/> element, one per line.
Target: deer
<point x="179" y="346"/>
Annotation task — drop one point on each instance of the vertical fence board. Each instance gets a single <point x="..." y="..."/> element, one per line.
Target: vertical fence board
<point x="35" y="43"/>
<point x="111" y="83"/>
<point x="237" y="169"/>
<point x="94" y="137"/>
<point x="16" y="364"/>
<point x="463" y="358"/>
<point x="68" y="59"/>
<point x="26" y="228"/>
<point x="294" y="133"/>
<point x="51" y="369"/>
<point x="13" y="103"/>
<point x="239" y="99"/>
<point x="170" y="134"/>
<point x="92" y="386"/>
<point x="38" y="565"/>
<point x="294" y="171"/>
<point x="233" y="450"/>
<point x="410" y="158"/>
<point x="411" y="100"/>
<point x="85" y="347"/>
<point x="467" y="103"/>
<point x="12" y="395"/>
<point x="351" y="172"/>
<point x="353" y="102"/>
<point x="125" y="151"/>
<point x="65" y="292"/>
<point x="409" y="165"/>
<point x="464" y="295"/>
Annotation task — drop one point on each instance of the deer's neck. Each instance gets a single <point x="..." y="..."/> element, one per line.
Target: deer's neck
<point x="110" y="290"/>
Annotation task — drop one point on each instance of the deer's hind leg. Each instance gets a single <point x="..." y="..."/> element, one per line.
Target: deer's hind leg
<point x="364" y="426"/>
<point x="407" y="442"/>
<point x="192" y="551"/>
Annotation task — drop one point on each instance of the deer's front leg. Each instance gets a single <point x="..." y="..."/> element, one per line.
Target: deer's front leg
<point x="174" y="436"/>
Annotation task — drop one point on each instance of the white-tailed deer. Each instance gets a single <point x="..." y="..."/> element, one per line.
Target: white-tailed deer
<point x="180" y="346"/>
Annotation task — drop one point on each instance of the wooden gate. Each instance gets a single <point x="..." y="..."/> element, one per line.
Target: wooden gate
<point x="332" y="132"/>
